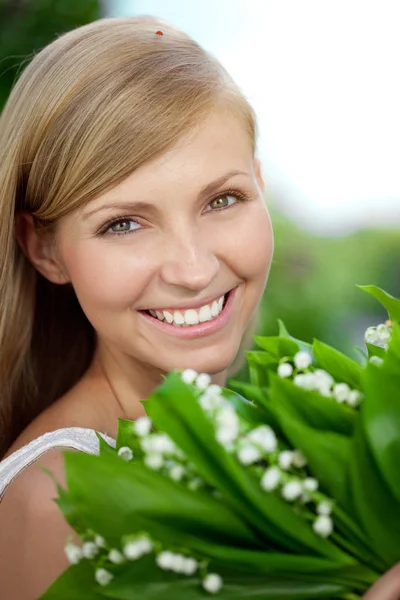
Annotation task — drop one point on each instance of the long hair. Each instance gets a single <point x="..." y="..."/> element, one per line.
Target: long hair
<point x="88" y="110"/>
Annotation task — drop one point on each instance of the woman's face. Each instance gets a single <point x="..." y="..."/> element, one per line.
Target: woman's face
<point x="160" y="240"/>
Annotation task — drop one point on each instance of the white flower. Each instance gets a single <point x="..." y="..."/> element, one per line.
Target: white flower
<point x="189" y="566"/>
<point x="310" y="484"/>
<point x="264" y="437"/>
<point x="285" y="459"/>
<point x="341" y="392"/>
<point x="103" y="577"/>
<point x="176" y="472"/>
<point x="371" y="335"/>
<point x="136" y="548"/>
<point x="188" y="375"/>
<point x="165" y="560"/>
<point x="322" y="377"/>
<point x="158" y="443"/>
<point x="89" y="549"/>
<point x="125" y="453"/>
<point x="154" y="461"/>
<point x="384" y="333"/>
<point x="376" y="360"/>
<point x="305" y="381"/>
<point x="248" y="454"/>
<point x="99" y="541"/>
<point x="178" y="563"/>
<point x="203" y="381"/>
<point x="323" y="525"/>
<point x="211" y="400"/>
<point x="354" y="398"/>
<point x="212" y="583"/>
<point x="285" y="370"/>
<point x="271" y="478"/>
<point x="142" y="426"/>
<point x="324" y="508"/>
<point x="74" y="553"/>
<point x="145" y="544"/>
<point x="299" y="460"/>
<point x="291" y="490"/>
<point x="302" y="360"/>
<point x="228" y="424"/>
<point x="115" y="556"/>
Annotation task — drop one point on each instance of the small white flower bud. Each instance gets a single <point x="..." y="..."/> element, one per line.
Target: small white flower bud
<point x="305" y="381"/>
<point x="291" y="490"/>
<point x="248" y="454"/>
<point x="125" y="453"/>
<point x="212" y="583"/>
<point x="176" y="472"/>
<point x="384" y="333"/>
<point x="132" y="551"/>
<point x="371" y="335"/>
<point x="323" y="377"/>
<point x="165" y="560"/>
<point x="271" y="478"/>
<point x="74" y="553"/>
<point x="285" y="370"/>
<point x="210" y="401"/>
<point x="376" y="360"/>
<point x="263" y="436"/>
<point x="299" y="460"/>
<point x="324" y="508"/>
<point x="354" y="398"/>
<point x="302" y="360"/>
<point x="142" y="426"/>
<point x="178" y="563"/>
<point x="115" y="556"/>
<point x="188" y="375"/>
<point x="323" y="525"/>
<point x="145" y="545"/>
<point x="195" y="483"/>
<point x="310" y="484"/>
<point x="203" y="381"/>
<point x="89" y="549"/>
<point x="341" y="392"/>
<point x="154" y="461"/>
<point x="103" y="577"/>
<point x="189" y="566"/>
<point x="285" y="459"/>
<point x="99" y="541"/>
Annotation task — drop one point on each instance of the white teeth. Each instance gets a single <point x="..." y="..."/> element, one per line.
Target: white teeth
<point x="190" y="316"/>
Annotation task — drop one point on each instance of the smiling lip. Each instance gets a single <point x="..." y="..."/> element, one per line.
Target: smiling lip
<point x="196" y="305"/>
<point x="195" y="331"/>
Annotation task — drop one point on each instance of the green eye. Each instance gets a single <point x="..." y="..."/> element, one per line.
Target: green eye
<point x="123" y="226"/>
<point x="221" y="202"/>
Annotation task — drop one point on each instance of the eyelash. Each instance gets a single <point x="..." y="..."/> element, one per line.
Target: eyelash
<point x="104" y="231"/>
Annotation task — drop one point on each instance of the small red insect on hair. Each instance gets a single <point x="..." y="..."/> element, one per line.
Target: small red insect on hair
<point x="159" y="33"/>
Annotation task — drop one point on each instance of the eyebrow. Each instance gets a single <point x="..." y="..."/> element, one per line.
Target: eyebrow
<point x="152" y="209"/>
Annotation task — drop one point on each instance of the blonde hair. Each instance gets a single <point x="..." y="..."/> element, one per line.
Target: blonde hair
<point x="88" y="110"/>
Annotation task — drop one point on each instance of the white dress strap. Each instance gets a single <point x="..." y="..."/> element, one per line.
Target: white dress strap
<point x="76" y="438"/>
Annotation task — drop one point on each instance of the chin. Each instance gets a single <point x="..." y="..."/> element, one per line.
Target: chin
<point x="211" y="361"/>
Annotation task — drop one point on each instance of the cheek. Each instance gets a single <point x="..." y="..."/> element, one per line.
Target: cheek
<point x="253" y="245"/>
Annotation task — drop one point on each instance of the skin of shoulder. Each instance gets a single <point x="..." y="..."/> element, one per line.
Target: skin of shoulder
<point x="33" y="531"/>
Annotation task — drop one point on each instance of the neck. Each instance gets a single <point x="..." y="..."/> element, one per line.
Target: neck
<point x="128" y="381"/>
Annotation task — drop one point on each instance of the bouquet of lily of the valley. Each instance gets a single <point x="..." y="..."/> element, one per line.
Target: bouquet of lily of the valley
<point x="285" y="487"/>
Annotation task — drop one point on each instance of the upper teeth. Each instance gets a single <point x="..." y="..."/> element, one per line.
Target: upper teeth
<point x="191" y="316"/>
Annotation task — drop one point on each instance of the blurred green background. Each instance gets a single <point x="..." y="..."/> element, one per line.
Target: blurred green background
<point x="312" y="283"/>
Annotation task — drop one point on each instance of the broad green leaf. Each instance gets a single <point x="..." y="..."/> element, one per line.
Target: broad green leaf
<point x="341" y="367"/>
<point x="259" y="396"/>
<point x="175" y="410"/>
<point x="316" y="411"/>
<point x="381" y="420"/>
<point x="278" y="347"/>
<point x="126" y="437"/>
<point x="392" y="358"/>
<point x="283" y="332"/>
<point x="376" y="509"/>
<point x="259" y="364"/>
<point x="133" y="490"/>
<point x="391" y="304"/>
<point x="375" y="350"/>
<point x="76" y="583"/>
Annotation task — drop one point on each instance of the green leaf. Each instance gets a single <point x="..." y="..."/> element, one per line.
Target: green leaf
<point x="381" y="419"/>
<point x="75" y="583"/>
<point x="259" y="396"/>
<point x="104" y="448"/>
<point x="132" y="490"/>
<point x="278" y="347"/>
<point x="375" y="350"/>
<point x="391" y="304"/>
<point x="376" y="510"/>
<point x="283" y="332"/>
<point x="174" y="409"/>
<point x="340" y="366"/>
<point x="126" y="437"/>
<point x="314" y="410"/>
<point x="259" y="364"/>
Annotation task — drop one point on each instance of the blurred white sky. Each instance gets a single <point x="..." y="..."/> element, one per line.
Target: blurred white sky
<point x="323" y="77"/>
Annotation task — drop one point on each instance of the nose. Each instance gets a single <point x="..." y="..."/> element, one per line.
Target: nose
<point x="189" y="260"/>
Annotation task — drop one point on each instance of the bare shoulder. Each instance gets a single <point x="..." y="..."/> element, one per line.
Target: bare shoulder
<point x="33" y="530"/>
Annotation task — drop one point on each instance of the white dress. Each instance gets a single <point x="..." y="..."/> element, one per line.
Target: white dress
<point x="76" y="438"/>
